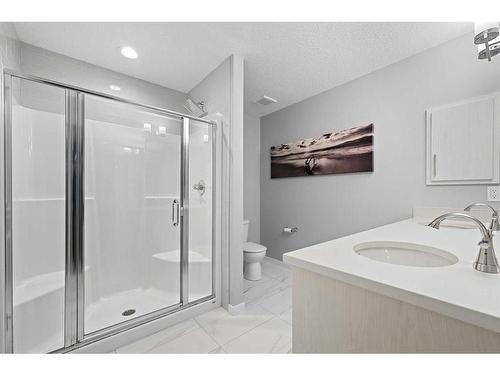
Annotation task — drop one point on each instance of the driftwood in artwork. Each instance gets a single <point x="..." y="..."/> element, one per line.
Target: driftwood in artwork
<point x="346" y="151"/>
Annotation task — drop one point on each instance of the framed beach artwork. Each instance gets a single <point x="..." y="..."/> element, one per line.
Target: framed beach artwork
<point x="346" y="151"/>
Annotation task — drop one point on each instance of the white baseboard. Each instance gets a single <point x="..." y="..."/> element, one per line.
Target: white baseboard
<point x="239" y="308"/>
<point x="276" y="261"/>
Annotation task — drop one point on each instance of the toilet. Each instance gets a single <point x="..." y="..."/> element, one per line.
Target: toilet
<point x="253" y="254"/>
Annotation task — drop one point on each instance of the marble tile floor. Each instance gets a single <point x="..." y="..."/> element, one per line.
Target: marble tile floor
<point x="265" y="325"/>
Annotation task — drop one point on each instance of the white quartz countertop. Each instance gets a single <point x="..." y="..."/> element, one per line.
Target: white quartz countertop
<point x="457" y="291"/>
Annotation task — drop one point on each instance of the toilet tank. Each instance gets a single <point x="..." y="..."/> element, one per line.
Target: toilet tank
<point x="246" y="223"/>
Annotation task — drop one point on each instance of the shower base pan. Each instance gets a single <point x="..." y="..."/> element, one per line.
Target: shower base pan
<point x="39" y="293"/>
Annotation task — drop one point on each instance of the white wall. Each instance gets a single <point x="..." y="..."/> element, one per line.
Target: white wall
<point x="394" y="99"/>
<point x="46" y="64"/>
<point x="251" y="175"/>
<point x="235" y="201"/>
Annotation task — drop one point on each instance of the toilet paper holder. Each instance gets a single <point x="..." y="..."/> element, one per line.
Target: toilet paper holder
<point x="288" y="229"/>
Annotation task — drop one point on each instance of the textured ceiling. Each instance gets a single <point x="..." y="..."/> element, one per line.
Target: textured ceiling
<point x="287" y="61"/>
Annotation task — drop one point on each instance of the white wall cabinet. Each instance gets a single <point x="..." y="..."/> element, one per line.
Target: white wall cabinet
<point x="463" y="142"/>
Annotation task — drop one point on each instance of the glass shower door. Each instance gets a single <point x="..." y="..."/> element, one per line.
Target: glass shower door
<point x="132" y="185"/>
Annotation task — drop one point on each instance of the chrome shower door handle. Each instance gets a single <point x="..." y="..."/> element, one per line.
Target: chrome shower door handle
<point x="175" y="212"/>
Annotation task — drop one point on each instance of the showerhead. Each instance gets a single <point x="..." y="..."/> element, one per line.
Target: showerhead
<point x="195" y="108"/>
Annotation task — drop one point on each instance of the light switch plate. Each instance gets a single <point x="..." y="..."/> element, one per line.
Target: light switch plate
<point x="494" y="193"/>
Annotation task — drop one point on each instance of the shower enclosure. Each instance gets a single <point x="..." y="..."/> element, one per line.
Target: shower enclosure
<point x="108" y="214"/>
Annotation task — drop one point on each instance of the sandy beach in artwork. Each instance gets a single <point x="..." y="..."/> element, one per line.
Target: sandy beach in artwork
<point x="346" y="151"/>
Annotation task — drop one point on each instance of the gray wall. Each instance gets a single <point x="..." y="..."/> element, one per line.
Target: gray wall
<point x="46" y="64"/>
<point x="251" y="175"/>
<point x="394" y="99"/>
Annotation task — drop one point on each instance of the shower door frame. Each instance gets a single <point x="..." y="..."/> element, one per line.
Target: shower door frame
<point x="74" y="304"/>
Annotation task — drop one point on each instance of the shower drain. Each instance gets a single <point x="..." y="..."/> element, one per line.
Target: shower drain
<point x="128" y="312"/>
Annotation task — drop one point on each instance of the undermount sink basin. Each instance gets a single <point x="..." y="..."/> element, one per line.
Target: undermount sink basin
<point x="405" y="254"/>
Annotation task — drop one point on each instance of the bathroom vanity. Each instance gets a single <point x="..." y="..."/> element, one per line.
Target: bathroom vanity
<point x="399" y="288"/>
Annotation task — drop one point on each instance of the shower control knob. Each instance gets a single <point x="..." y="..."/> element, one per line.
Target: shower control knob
<point x="200" y="186"/>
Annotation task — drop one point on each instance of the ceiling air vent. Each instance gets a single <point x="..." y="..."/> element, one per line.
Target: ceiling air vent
<point x="265" y="100"/>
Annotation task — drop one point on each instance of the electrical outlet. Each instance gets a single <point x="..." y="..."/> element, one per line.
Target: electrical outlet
<point x="494" y="193"/>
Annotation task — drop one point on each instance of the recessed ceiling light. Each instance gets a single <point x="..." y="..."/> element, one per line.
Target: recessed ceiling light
<point x="115" y="88"/>
<point x="129" y="52"/>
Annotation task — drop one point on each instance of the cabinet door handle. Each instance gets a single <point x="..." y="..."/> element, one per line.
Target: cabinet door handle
<point x="434" y="168"/>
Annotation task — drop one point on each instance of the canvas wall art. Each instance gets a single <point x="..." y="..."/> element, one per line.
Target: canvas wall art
<point x="346" y="151"/>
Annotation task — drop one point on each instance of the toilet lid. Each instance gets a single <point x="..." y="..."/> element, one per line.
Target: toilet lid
<point x="251" y="247"/>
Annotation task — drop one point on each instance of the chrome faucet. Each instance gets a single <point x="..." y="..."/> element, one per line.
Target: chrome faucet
<point x="486" y="260"/>
<point x="494" y="217"/>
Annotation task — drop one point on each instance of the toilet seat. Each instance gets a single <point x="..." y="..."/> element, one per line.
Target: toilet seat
<point x="252" y="247"/>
